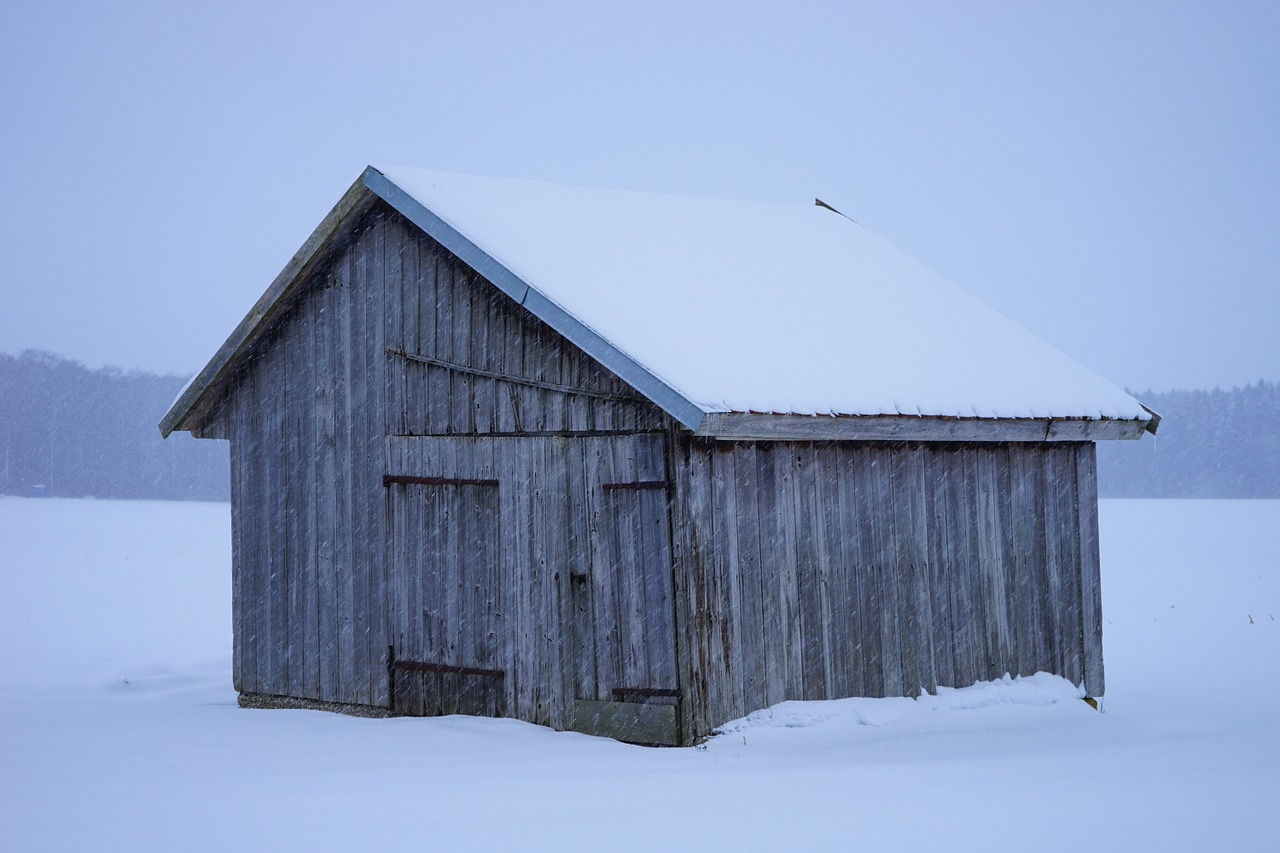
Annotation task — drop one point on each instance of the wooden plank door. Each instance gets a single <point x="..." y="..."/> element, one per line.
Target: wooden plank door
<point x="542" y="564"/>
<point x="447" y="597"/>
<point x="622" y="636"/>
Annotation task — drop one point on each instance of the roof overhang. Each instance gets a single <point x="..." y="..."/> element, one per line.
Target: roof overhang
<point x="189" y="409"/>
<point x="742" y="426"/>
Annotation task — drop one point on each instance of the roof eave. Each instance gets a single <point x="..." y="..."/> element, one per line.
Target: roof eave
<point x="1154" y="423"/>
<point x="186" y="411"/>
<point x="750" y="426"/>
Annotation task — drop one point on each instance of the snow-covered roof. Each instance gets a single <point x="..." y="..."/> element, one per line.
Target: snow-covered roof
<point x="753" y="307"/>
<point x="740" y="319"/>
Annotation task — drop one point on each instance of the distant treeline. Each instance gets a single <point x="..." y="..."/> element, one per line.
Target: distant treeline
<point x="92" y="433"/>
<point x="1211" y="444"/>
<point x="69" y="431"/>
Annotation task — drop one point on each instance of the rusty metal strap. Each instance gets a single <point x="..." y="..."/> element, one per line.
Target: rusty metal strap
<point x="515" y="380"/>
<point x="645" y="484"/>
<point x="420" y="666"/>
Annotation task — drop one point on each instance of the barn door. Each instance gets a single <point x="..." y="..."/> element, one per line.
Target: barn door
<point x="532" y="576"/>
<point x="447" y="595"/>
<point x="622" y="610"/>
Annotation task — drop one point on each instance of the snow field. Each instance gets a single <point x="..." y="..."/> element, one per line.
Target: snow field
<point x="119" y="728"/>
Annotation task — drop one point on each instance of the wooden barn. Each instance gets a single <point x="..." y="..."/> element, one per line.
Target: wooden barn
<point x="637" y="465"/>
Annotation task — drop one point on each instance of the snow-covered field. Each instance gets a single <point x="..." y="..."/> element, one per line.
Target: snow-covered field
<point x="119" y="729"/>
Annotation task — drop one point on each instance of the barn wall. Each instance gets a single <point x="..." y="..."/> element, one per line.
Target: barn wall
<point x="812" y="571"/>
<point x="308" y="411"/>
<point x="304" y="417"/>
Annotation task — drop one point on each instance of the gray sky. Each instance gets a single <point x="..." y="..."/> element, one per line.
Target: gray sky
<point x="1106" y="174"/>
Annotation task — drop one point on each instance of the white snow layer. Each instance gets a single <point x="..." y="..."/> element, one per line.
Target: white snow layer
<point x="755" y="307"/>
<point x="119" y="728"/>
<point x="1036" y="690"/>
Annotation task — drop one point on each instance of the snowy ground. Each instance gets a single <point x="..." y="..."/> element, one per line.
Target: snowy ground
<point x="119" y="729"/>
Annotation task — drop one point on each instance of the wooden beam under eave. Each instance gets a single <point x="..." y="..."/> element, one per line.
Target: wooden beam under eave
<point x="738" y="426"/>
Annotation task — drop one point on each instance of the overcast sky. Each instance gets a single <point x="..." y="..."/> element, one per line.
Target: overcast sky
<point x="1106" y="174"/>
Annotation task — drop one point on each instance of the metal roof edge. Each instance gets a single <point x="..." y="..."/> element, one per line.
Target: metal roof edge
<point x="193" y="396"/>
<point x="628" y="369"/>
<point x="448" y="236"/>
<point x="1154" y="423"/>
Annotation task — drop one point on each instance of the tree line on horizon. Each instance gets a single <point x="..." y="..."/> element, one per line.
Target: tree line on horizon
<point x="69" y="431"/>
<point x="1210" y="444"/>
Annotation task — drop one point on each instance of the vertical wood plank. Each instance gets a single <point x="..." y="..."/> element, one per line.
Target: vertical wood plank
<point x="834" y="614"/>
<point x="462" y="396"/>
<point x="348" y="342"/>
<point x="864" y="669"/>
<point x="911" y="525"/>
<point x="811" y="576"/>
<point x="1090" y="569"/>
<point x="730" y="699"/>
<point x="754" y="634"/>
<point x="697" y="522"/>
<point x="239" y="525"/>
<point x="770" y="575"/>
<point x="378" y="284"/>
<point x="326" y="488"/>
<point x="883" y="568"/>
<point x="438" y="341"/>
<point x="942" y="541"/>
<point x="366" y="402"/>
<point x="294" y="508"/>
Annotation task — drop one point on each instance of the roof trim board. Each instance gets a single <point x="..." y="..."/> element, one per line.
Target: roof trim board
<point x="739" y="426"/>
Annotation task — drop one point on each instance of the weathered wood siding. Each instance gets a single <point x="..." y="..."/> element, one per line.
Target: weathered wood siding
<point x="816" y="571"/>
<point x="306" y="429"/>
<point x="544" y="558"/>
<point x="308" y="411"/>
<point x="439" y="309"/>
